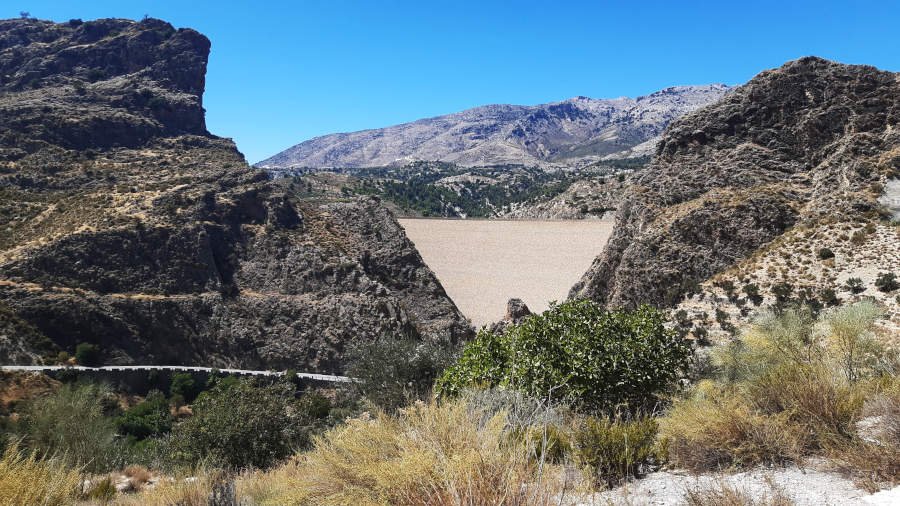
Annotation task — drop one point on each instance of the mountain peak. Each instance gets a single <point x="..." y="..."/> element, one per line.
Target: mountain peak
<point x="575" y="131"/>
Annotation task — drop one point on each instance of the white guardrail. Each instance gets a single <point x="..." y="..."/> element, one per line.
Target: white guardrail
<point x="176" y="368"/>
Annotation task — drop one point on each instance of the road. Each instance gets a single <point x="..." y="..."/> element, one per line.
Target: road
<point x="174" y="368"/>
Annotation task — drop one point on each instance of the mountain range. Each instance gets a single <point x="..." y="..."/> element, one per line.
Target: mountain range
<point x="575" y="132"/>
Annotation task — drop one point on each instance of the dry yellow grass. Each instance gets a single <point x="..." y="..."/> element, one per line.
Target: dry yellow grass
<point x="26" y="480"/>
<point x="727" y="495"/>
<point x="183" y="491"/>
<point x="428" y="454"/>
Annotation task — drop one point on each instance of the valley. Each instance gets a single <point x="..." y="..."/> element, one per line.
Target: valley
<point x="484" y="263"/>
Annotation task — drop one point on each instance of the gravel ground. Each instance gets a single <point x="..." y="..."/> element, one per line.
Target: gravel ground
<point x="806" y="487"/>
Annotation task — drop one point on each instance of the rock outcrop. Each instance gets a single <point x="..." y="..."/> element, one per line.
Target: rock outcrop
<point x="806" y="143"/>
<point x="572" y="132"/>
<point x="123" y="222"/>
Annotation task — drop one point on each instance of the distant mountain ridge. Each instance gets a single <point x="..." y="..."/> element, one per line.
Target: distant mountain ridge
<point x="571" y="132"/>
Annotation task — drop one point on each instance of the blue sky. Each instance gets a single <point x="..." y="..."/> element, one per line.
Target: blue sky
<point x="284" y="71"/>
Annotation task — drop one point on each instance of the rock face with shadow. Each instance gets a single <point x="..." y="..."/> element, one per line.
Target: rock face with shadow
<point x="124" y="223"/>
<point x="808" y="142"/>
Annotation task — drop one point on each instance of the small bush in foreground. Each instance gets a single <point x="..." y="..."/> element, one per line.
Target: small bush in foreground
<point x="714" y="430"/>
<point x="580" y="353"/>
<point x="728" y="495"/>
<point x="611" y="450"/>
<point x="25" y="479"/>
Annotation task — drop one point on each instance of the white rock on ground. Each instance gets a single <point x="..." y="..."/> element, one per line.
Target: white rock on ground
<point x="806" y="487"/>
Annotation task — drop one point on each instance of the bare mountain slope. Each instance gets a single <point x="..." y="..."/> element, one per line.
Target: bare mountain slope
<point x="573" y="131"/>
<point x="124" y="223"/>
<point x="797" y="150"/>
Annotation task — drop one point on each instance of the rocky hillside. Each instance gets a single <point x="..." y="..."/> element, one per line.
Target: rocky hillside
<point x="753" y="186"/>
<point x="572" y="132"/>
<point x="124" y="223"/>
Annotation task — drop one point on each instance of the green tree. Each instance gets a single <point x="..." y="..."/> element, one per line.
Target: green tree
<point x="88" y="355"/>
<point x="396" y="369"/>
<point x="237" y="426"/>
<point x="183" y="385"/>
<point x="579" y="352"/>
<point x="149" y="418"/>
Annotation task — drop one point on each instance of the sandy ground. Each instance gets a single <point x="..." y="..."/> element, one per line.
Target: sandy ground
<point x="484" y="263"/>
<point x="805" y="487"/>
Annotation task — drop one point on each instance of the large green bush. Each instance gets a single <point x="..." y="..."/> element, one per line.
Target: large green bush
<point x="580" y="353"/>
<point x="238" y="425"/>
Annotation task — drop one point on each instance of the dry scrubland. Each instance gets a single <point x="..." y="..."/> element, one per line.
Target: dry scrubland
<point x="814" y="263"/>
<point x="793" y="391"/>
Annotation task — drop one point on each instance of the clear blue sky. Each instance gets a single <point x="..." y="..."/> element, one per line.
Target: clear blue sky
<point x="284" y="71"/>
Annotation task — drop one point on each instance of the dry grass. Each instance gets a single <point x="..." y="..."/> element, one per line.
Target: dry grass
<point x="182" y="491"/>
<point x="27" y="480"/>
<point x="428" y="454"/>
<point x="791" y="387"/>
<point x="138" y="476"/>
<point x="717" y="428"/>
<point x="723" y="494"/>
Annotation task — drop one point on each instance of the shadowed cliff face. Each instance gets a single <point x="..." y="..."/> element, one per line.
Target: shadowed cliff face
<point x="123" y="222"/>
<point x="810" y="141"/>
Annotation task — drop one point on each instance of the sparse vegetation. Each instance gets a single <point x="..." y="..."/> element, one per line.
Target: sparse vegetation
<point x="855" y="285"/>
<point x="887" y="282"/>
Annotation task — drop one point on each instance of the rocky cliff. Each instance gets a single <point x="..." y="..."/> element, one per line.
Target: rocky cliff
<point x="572" y="132"/>
<point x="797" y="147"/>
<point x="123" y="222"/>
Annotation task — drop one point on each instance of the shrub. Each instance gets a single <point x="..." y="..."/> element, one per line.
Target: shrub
<point x="825" y="254"/>
<point x="723" y="494"/>
<point x="783" y="293"/>
<point x="183" y="385"/>
<point x="102" y="491"/>
<point x="243" y="425"/>
<point x="425" y="454"/>
<point x="789" y="387"/>
<point x="26" y="479"/>
<point x="70" y="423"/>
<point x="149" y="418"/>
<point x="887" y="282"/>
<point x="849" y="336"/>
<point x="830" y="298"/>
<point x="716" y="429"/>
<point x="611" y="450"/>
<point x="855" y="285"/>
<point x="88" y="355"/>
<point x="392" y="371"/>
<point x="578" y="352"/>
<point x="752" y="292"/>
